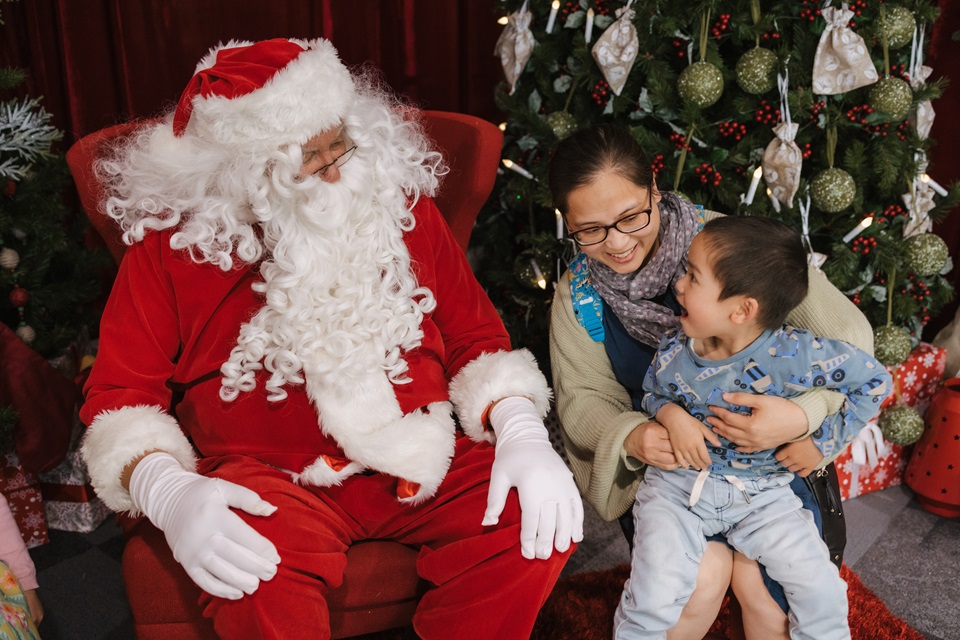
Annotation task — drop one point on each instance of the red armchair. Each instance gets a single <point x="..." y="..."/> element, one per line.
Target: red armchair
<point x="381" y="587"/>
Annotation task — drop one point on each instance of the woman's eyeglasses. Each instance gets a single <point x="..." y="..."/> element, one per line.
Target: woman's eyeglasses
<point x="627" y="224"/>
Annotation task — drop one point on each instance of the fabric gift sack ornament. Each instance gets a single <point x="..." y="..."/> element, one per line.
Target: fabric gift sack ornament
<point x="782" y="159"/>
<point x="842" y="62"/>
<point x="616" y="50"/>
<point x="515" y="45"/>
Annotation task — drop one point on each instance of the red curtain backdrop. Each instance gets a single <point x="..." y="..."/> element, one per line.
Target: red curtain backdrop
<point x="99" y="62"/>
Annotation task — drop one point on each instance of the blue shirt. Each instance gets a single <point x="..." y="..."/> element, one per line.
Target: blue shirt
<point x="784" y="362"/>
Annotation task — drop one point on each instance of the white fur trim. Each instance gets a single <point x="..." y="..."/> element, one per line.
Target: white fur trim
<point x="309" y="95"/>
<point x="365" y="419"/>
<point x="320" y="474"/>
<point x="492" y="376"/>
<point x="117" y="437"/>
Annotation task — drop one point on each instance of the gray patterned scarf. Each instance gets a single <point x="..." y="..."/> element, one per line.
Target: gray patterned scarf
<point x="630" y="295"/>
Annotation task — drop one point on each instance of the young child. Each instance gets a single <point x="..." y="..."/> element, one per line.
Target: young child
<point x="744" y="275"/>
<point x="20" y="611"/>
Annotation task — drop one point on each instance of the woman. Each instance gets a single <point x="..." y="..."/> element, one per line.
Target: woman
<point x="609" y="312"/>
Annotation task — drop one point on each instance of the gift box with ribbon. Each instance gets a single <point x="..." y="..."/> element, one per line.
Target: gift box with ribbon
<point x="69" y="500"/>
<point x="22" y="491"/>
<point x="871" y="463"/>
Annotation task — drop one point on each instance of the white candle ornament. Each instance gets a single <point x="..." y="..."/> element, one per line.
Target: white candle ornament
<point x="588" y="33"/>
<point x="936" y="186"/>
<point x="510" y="164"/>
<point x="554" y="8"/>
<point x="773" y="201"/>
<point x="754" y="182"/>
<point x="503" y="20"/>
<point x="559" y="224"/>
<point x="857" y="230"/>
<point x="541" y="281"/>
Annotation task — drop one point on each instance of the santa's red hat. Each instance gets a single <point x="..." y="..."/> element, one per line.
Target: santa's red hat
<point x="271" y="92"/>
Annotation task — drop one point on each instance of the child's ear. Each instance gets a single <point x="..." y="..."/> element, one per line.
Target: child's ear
<point x="748" y="309"/>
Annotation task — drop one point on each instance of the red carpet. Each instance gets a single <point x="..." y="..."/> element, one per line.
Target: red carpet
<point x="582" y="607"/>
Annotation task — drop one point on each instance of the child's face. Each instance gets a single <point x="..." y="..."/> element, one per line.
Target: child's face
<point x="698" y="292"/>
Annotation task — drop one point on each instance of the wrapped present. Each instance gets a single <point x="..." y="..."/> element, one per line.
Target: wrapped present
<point x="918" y="377"/>
<point x="871" y="463"/>
<point x="22" y="491"/>
<point x="69" y="500"/>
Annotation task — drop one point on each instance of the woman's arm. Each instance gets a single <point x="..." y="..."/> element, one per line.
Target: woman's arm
<point x="594" y="411"/>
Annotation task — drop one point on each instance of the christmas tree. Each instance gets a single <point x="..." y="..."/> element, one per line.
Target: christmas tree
<point x="745" y="107"/>
<point x="47" y="277"/>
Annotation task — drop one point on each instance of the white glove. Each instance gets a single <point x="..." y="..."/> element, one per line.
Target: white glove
<point x="551" y="512"/>
<point x="224" y="555"/>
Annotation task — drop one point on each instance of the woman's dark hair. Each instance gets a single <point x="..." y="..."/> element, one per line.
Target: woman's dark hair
<point x="759" y="258"/>
<point x="580" y="158"/>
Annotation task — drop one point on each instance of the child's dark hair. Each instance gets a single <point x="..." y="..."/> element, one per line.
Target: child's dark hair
<point x="760" y="258"/>
<point x="581" y="157"/>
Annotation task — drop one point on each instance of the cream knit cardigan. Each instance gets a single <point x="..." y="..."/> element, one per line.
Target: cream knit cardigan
<point x="595" y="411"/>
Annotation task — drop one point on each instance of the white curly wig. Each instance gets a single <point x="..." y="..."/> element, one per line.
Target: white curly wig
<point x="341" y="299"/>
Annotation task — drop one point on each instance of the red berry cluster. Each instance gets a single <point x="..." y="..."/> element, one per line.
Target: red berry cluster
<point x="657" y="165"/>
<point x="806" y="150"/>
<point x="857" y="6"/>
<point x="771" y="35"/>
<point x="856" y="298"/>
<point x="681" y="46"/>
<point x="863" y="245"/>
<point x="721" y="25"/>
<point x="859" y="113"/>
<point x="766" y="114"/>
<point x="601" y="93"/>
<point x="890" y="213"/>
<point x="603" y="7"/>
<point x="572" y="6"/>
<point x="919" y="291"/>
<point x="903" y="129"/>
<point x="810" y="10"/>
<point x="740" y="170"/>
<point x="679" y="141"/>
<point x="708" y="175"/>
<point x="732" y="129"/>
<point x="899" y="71"/>
<point x="817" y="108"/>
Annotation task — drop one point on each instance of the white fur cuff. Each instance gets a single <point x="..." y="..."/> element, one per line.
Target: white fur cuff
<point x="493" y="376"/>
<point x="117" y="437"/>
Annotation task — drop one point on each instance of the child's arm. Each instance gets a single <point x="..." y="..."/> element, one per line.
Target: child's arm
<point x="801" y="457"/>
<point x="686" y="436"/>
<point x="13" y="551"/>
<point x="863" y="381"/>
<point x="34" y="605"/>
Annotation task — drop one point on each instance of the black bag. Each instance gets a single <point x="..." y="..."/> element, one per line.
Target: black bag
<point x="826" y="489"/>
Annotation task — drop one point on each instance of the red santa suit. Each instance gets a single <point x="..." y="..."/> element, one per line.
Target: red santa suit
<point x="169" y="325"/>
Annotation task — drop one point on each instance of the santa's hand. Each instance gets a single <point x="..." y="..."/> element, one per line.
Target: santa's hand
<point x="224" y="555"/>
<point x="551" y="512"/>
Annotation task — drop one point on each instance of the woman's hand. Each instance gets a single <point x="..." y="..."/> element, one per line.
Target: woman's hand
<point x="649" y="443"/>
<point x="33" y="605"/>
<point x="773" y="421"/>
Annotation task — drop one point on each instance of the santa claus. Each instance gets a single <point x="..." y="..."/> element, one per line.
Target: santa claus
<point x="295" y="356"/>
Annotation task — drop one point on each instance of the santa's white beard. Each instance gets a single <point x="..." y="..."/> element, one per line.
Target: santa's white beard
<point x="341" y="301"/>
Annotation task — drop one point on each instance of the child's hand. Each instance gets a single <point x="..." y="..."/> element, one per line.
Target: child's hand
<point x="33" y="604"/>
<point x="687" y="436"/>
<point x="801" y="457"/>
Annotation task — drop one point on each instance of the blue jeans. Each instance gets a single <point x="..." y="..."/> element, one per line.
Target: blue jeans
<point x="800" y="488"/>
<point x="764" y="521"/>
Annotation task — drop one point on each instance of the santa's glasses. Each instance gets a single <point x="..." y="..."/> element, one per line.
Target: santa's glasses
<point x="339" y="161"/>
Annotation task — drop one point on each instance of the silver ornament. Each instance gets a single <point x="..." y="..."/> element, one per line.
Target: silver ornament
<point x="562" y="124"/>
<point x="26" y="333"/>
<point x="9" y="259"/>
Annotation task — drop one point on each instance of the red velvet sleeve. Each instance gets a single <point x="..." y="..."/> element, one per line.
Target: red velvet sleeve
<point x="139" y="334"/>
<point x="468" y="322"/>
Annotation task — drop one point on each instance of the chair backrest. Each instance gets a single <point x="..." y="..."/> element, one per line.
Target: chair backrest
<point x="470" y="145"/>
